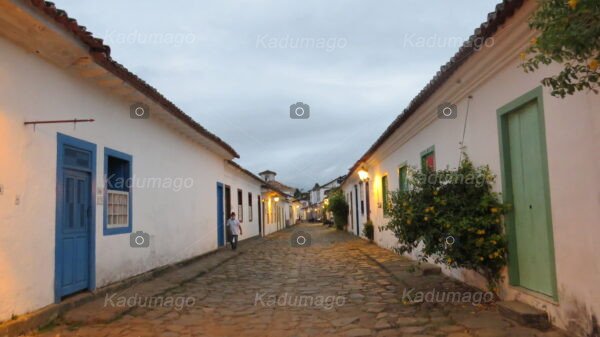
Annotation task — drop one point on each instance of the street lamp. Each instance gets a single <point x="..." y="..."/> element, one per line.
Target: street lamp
<point x="363" y="175"/>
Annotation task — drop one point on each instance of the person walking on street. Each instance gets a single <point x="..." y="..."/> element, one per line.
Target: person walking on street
<point x="235" y="228"/>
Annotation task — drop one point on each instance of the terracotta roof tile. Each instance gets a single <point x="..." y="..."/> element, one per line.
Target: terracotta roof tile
<point x="486" y="30"/>
<point x="101" y="55"/>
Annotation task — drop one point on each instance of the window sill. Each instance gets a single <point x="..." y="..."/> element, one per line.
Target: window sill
<point x="117" y="231"/>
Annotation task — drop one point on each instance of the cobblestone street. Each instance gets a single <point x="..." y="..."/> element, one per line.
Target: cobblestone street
<point x="338" y="286"/>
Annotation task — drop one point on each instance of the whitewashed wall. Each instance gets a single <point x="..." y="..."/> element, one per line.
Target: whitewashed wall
<point x="237" y="179"/>
<point x="270" y="222"/>
<point x="182" y="224"/>
<point x="348" y="189"/>
<point x="573" y="139"/>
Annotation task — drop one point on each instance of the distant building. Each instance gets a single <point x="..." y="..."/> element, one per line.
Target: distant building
<point x="318" y="195"/>
<point x="277" y="203"/>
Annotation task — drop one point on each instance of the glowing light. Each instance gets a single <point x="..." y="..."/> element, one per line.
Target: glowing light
<point x="363" y="175"/>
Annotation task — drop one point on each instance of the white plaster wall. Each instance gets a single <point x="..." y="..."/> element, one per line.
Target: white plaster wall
<point x="237" y="179"/>
<point x="572" y="137"/>
<point x="347" y="188"/>
<point x="271" y="224"/>
<point x="182" y="224"/>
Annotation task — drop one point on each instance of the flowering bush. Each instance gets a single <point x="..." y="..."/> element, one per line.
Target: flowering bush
<point x="455" y="215"/>
<point x="569" y="35"/>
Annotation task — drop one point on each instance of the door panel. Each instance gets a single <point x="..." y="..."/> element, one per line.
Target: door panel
<point x="75" y="231"/>
<point x="220" y="217"/>
<point x="531" y="223"/>
<point x="259" y="215"/>
<point x="356" y="210"/>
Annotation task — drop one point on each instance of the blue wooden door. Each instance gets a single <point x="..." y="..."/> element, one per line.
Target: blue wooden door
<point x="75" y="214"/>
<point x="75" y="231"/>
<point x="220" y="217"/>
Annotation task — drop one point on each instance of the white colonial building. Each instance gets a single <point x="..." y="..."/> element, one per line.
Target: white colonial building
<point x="101" y="178"/>
<point x="277" y="205"/>
<point x="318" y="196"/>
<point x="513" y="125"/>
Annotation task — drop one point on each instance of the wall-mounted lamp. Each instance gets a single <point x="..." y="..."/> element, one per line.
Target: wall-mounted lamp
<point x="276" y="199"/>
<point x="363" y="175"/>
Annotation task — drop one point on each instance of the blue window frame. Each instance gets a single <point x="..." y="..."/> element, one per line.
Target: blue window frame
<point x="118" y="193"/>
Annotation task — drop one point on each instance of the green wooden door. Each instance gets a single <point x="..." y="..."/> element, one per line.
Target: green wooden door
<point x="534" y="244"/>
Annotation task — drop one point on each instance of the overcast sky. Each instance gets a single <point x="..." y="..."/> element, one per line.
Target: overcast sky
<point x="237" y="66"/>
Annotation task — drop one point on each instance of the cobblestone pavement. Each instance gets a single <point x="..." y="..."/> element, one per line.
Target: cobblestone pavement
<point x="336" y="287"/>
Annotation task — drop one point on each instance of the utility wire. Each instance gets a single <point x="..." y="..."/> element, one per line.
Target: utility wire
<point x="462" y="142"/>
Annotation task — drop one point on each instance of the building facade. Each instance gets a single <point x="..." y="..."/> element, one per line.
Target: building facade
<point x="101" y="178"/>
<point x="543" y="150"/>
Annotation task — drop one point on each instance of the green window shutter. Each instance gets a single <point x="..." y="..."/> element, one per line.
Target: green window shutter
<point x="403" y="179"/>
<point x="384" y="192"/>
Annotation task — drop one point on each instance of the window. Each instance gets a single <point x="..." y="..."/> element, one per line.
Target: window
<point x="384" y="196"/>
<point x="403" y="178"/>
<point x="249" y="206"/>
<point x="351" y="210"/>
<point x="240" y="205"/>
<point x="428" y="158"/>
<point x="362" y="200"/>
<point x="117" y="196"/>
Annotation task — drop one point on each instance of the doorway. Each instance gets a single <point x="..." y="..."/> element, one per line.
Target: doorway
<point x="220" y="216"/>
<point x="75" y="216"/>
<point x="356" y="210"/>
<point x="259" y="215"/>
<point x="227" y="210"/>
<point x="526" y="187"/>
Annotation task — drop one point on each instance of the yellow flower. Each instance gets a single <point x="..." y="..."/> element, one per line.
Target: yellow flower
<point x="522" y="56"/>
<point x="573" y="3"/>
<point x="534" y="40"/>
<point x="493" y="242"/>
<point x="408" y="221"/>
<point x="497" y="220"/>
<point x="593" y="65"/>
<point x="494" y="210"/>
<point x="449" y="260"/>
<point x="426" y="219"/>
<point x="481" y="258"/>
<point x="435" y="192"/>
<point x="481" y="232"/>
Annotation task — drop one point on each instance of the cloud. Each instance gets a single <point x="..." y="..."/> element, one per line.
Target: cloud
<point x="208" y="58"/>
